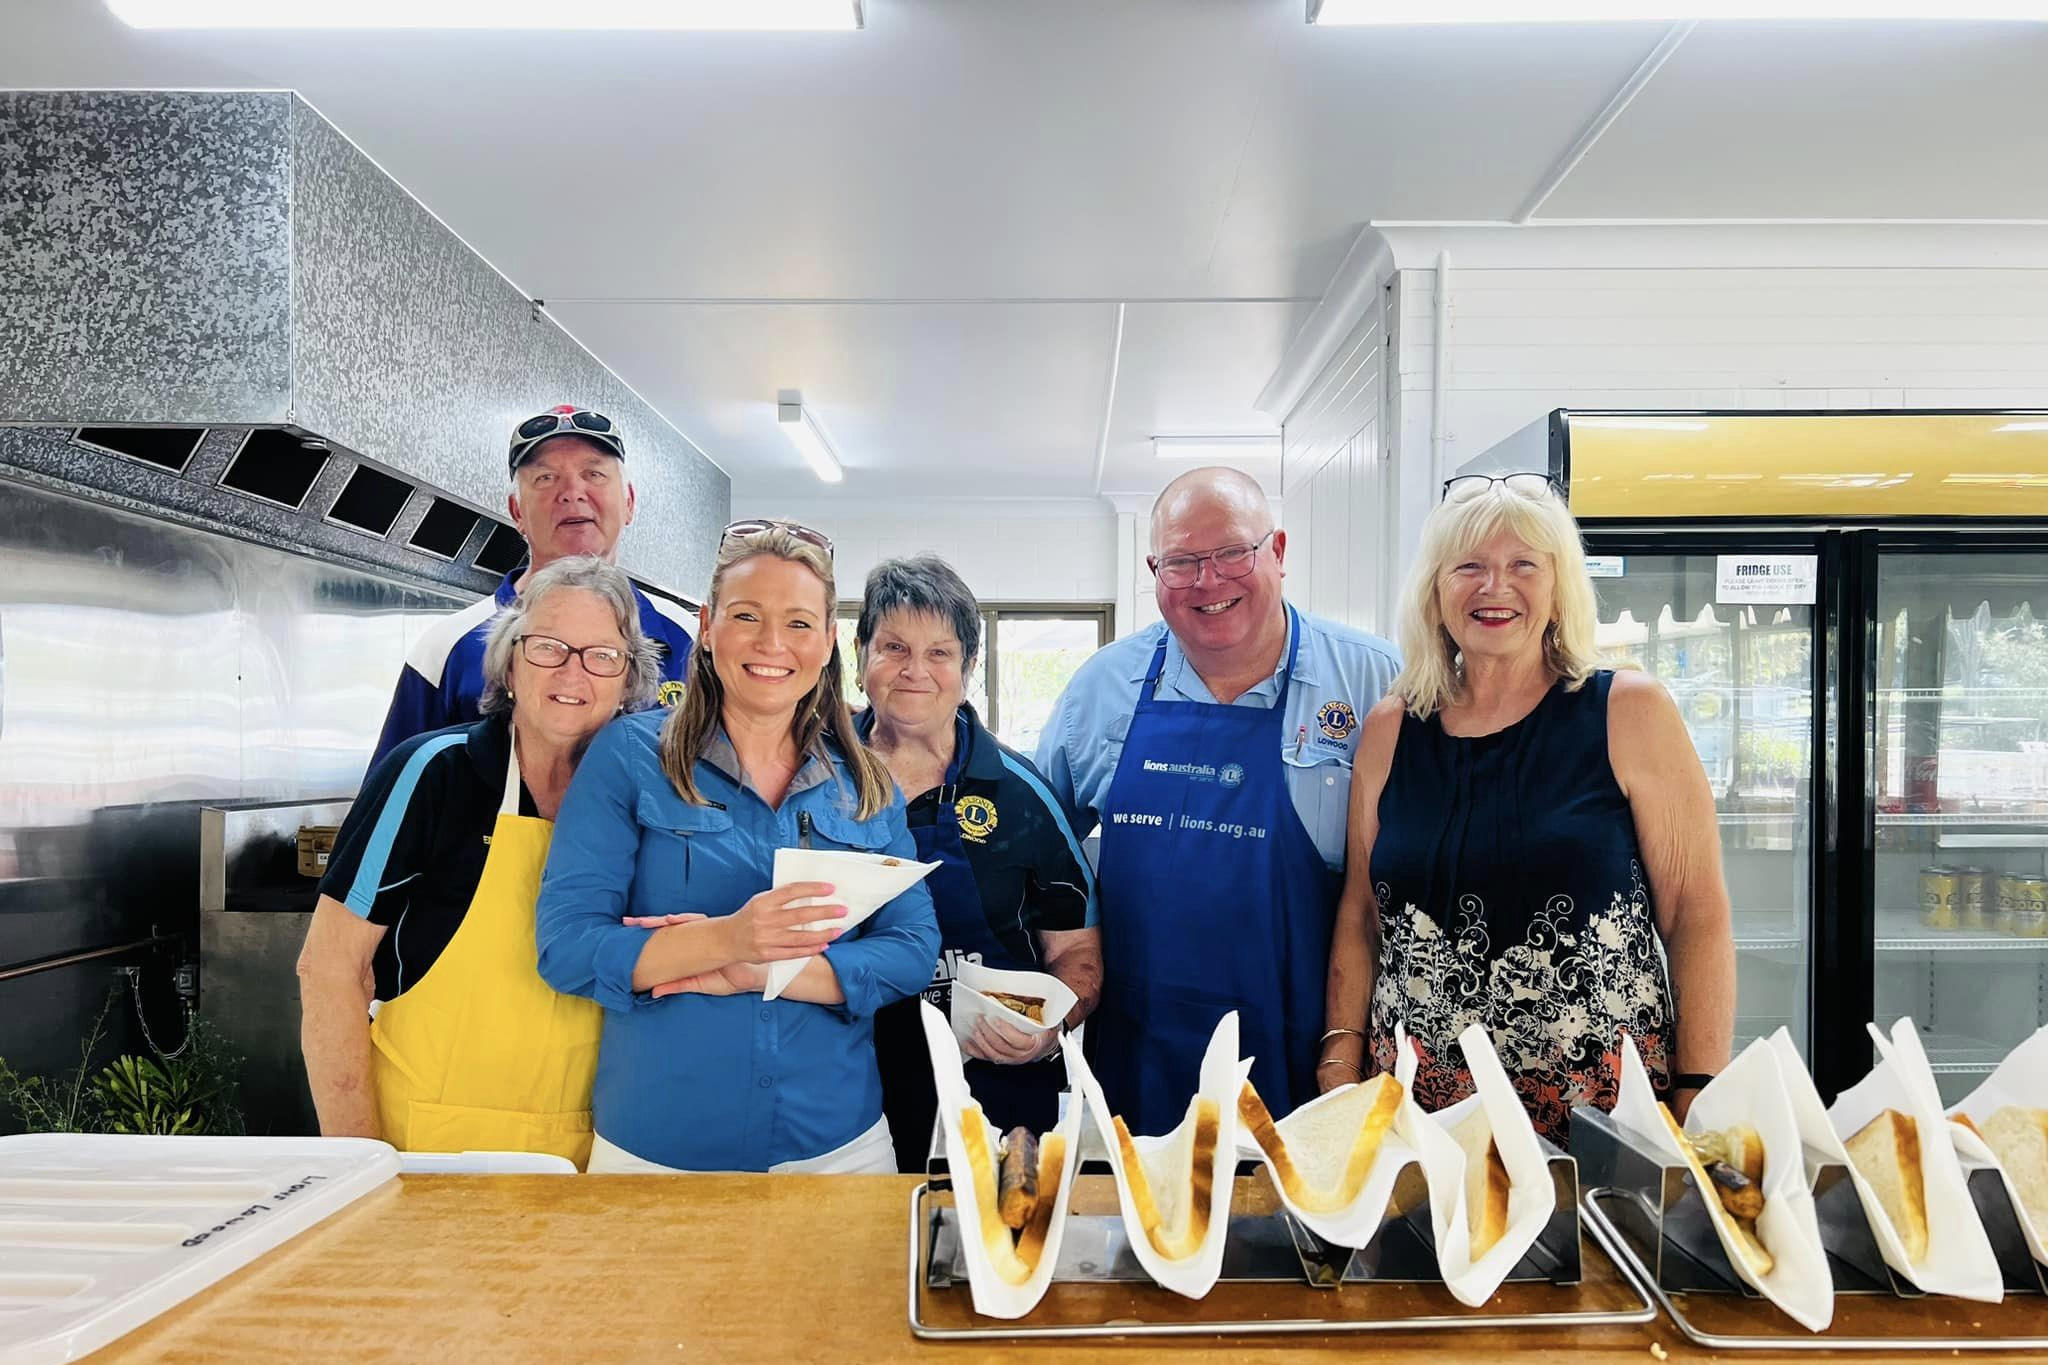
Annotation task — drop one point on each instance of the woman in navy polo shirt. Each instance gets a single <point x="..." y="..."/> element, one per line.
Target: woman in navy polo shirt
<point x="1012" y="889"/>
<point x="673" y="822"/>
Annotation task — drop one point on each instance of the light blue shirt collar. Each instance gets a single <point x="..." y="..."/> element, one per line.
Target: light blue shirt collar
<point x="1179" y="677"/>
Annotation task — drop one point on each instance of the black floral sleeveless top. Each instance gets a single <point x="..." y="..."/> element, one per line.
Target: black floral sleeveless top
<point x="1511" y="894"/>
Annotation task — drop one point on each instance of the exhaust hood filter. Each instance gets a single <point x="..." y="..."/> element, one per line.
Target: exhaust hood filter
<point x="444" y="530"/>
<point x="275" y="466"/>
<point x="370" y="502"/>
<point x="503" y="552"/>
<point x="165" y="447"/>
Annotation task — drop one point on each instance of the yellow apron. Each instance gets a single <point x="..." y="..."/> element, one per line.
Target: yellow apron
<point x="481" y="1054"/>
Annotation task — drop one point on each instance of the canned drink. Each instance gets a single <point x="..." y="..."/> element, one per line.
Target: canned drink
<point x="1977" y="898"/>
<point x="2002" y="908"/>
<point x="2030" y="907"/>
<point x="1938" y="887"/>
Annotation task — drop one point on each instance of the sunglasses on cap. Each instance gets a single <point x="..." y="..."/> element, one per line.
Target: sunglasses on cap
<point x="1465" y="487"/>
<point x="754" y="526"/>
<point x="565" y="419"/>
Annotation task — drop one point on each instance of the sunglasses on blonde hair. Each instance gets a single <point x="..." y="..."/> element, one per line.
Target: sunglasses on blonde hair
<point x="754" y="526"/>
<point x="1465" y="487"/>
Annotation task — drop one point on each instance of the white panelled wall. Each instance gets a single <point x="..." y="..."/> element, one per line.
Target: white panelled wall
<point x="1008" y="550"/>
<point x="1539" y="320"/>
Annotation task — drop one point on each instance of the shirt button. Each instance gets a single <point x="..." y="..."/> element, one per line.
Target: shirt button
<point x="766" y="1015"/>
<point x="1330" y="781"/>
<point x="767" y="1081"/>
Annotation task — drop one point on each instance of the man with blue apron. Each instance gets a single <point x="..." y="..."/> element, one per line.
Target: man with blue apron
<point x="1213" y="751"/>
<point x="1010" y="871"/>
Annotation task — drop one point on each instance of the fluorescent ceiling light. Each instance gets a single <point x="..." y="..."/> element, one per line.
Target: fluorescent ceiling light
<point x="1347" y="13"/>
<point x="1217" y="449"/>
<point x="2024" y="426"/>
<point x="802" y="431"/>
<point x="492" y="14"/>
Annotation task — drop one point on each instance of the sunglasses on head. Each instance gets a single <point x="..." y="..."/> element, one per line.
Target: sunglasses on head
<point x="573" y="420"/>
<point x="1465" y="487"/>
<point x="754" y="526"/>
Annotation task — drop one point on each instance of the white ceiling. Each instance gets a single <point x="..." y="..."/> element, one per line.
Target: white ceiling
<point x="927" y="227"/>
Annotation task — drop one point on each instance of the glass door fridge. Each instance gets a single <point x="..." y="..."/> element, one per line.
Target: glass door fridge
<point x="1959" y="817"/>
<point x="1744" y="675"/>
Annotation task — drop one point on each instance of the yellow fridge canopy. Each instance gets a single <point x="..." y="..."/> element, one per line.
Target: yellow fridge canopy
<point x="1883" y="466"/>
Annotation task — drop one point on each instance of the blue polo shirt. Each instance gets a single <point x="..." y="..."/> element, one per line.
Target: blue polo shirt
<point x="733" y="1082"/>
<point x="443" y="678"/>
<point x="1339" y="675"/>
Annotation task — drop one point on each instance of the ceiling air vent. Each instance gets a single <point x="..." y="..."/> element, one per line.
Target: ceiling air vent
<point x="275" y="466"/>
<point x="370" y="501"/>
<point x="502" y="552"/>
<point x="444" y="530"/>
<point x="165" y="447"/>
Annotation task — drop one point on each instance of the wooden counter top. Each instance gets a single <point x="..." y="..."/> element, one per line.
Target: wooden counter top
<point x="513" y="1270"/>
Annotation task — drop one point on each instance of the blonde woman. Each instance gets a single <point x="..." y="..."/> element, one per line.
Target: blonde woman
<point x="656" y="900"/>
<point x="1532" y="836"/>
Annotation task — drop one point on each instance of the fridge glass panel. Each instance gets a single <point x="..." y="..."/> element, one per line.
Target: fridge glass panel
<point x="1743" y="678"/>
<point x="1960" y="766"/>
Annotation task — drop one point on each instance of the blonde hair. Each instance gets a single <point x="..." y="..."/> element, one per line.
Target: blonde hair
<point x="819" y="716"/>
<point x="1432" y="673"/>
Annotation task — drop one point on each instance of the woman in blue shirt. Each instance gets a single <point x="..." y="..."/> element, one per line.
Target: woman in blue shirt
<point x="664" y="850"/>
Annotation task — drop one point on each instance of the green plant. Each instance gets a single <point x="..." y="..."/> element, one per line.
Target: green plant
<point x="58" y="1104"/>
<point x="191" y="1092"/>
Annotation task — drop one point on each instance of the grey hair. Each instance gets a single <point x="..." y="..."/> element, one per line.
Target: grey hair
<point x="920" y="583"/>
<point x="586" y="573"/>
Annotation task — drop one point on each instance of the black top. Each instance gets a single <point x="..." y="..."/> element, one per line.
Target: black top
<point x="1019" y="841"/>
<point x="412" y="850"/>
<point x="1511" y="894"/>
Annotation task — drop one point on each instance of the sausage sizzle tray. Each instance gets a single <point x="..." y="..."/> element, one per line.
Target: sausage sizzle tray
<point x="1645" y="1208"/>
<point x="1278" y="1277"/>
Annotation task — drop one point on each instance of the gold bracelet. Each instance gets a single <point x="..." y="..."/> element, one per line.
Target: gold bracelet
<point x="1339" y="1061"/>
<point x="1339" y="1033"/>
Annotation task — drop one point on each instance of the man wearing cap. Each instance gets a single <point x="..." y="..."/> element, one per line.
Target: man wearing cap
<point x="1214" y="752"/>
<point x="570" y="496"/>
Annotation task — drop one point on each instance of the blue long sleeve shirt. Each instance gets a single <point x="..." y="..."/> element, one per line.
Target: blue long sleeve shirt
<point x="723" y="1083"/>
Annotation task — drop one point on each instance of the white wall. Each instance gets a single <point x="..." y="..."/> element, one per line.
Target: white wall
<point x="1335" y="481"/>
<point x="1733" y="318"/>
<point x="1008" y="550"/>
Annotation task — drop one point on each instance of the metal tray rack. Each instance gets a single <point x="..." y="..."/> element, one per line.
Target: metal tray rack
<point x="1278" y="1277"/>
<point x="1641" y="1205"/>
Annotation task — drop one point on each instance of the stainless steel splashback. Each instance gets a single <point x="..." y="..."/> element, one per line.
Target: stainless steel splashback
<point x="147" y="669"/>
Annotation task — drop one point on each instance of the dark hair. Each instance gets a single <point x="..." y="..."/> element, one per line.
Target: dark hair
<point x="920" y="583"/>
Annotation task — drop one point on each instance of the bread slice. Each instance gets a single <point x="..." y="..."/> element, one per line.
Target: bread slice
<point x="1335" y="1147"/>
<point x="2019" y="1138"/>
<point x="1178" y="1232"/>
<point x="1754" y="1252"/>
<point x="1013" y="1261"/>
<point x="1886" y="1151"/>
<point x="1486" y="1182"/>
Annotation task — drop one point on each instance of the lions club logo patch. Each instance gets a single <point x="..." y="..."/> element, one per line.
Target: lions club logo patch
<point x="669" y="694"/>
<point x="1337" y="720"/>
<point x="977" y="817"/>
<point x="1232" y="775"/>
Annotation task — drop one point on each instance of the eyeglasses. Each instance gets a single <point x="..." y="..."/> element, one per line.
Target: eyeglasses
<point x="745" y="530"/>
<point x="1184" y="571"/>
<point x="1465" y="487"/>
<point x="553" y="422"/>
<point x="599" y="661"/>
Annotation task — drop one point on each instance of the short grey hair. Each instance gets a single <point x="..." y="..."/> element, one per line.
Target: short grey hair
<point x="920" y="583"/>
<point x="589" y="574"/>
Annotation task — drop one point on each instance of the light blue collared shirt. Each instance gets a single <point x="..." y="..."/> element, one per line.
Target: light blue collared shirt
<point x="1338" y="676"/>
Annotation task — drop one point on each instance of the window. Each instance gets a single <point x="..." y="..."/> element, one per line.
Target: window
<point x="1028" y="652"/>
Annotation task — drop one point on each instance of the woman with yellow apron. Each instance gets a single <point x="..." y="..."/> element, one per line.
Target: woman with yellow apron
<point x="426" y="1022"/>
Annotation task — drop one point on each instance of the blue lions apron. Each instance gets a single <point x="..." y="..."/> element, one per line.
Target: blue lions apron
<point x="1214" y="898"/>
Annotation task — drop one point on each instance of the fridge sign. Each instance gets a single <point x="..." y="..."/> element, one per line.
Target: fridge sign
<point x="1767" y="578"/>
